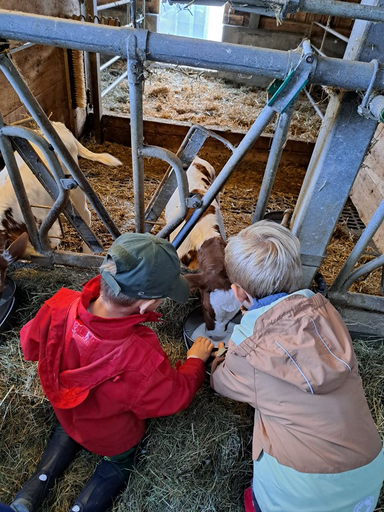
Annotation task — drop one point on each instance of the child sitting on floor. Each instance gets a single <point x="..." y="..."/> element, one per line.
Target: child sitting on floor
<point x="104" y="372"/>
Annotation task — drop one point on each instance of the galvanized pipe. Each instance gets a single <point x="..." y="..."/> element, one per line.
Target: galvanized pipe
<point x="344" y="279"/>
<point x="112" y="4"/>
<point x="331" y="31"/>
<point x="345" y="74"/>
<point x="42" y="120"/>
<point x="109" y="63"/>
<point x="367" y="268"/>
<point x="182" y="183"/>
<point x="343" y="9"/>
<point x="135" y="80"/>
<point x="114" y="84"/>
<point x="313" y="103"/>
<point x="278" y="142"/>
<point x="247" y="142"/>
<point x="20" y="48"/>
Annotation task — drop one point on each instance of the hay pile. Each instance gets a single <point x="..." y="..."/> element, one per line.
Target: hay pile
<point x="198" y="460"/>
<point x="197" y="97"/>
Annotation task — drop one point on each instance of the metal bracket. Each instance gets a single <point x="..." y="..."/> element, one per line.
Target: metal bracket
<point x="194" y="201"/>
<point x="68" y="183"/>
<point x="285" y="92"/>
<point x="273" y="9"/>
<point x="364" y="109"/>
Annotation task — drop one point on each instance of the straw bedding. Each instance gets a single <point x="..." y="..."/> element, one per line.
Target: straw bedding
<point x="200" y="459"/>
<point x="197" y="97"/>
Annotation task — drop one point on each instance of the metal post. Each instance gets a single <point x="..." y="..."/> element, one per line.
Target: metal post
<point x="334" y="164"/>
<point x="135" y="81"/>
<point x="278" y="142"/>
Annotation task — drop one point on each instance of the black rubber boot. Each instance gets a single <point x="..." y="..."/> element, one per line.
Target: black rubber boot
<point x="57" y="456"/>
<point x="101" y="489"/>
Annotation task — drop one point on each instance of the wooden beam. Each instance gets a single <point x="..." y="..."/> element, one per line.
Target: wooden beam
<point x="116" y="128"/>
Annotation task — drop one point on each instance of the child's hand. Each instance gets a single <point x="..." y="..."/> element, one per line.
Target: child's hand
<point x="201" y="348"/>
<point x="219" y="346"/>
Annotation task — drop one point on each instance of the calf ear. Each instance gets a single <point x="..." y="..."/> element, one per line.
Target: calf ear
<point x="16" y="250"/>
<point x="195" y="281"/>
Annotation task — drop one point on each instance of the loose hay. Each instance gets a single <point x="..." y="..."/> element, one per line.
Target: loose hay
<point x="200" y="459"/>
<point x="197" y="97"/>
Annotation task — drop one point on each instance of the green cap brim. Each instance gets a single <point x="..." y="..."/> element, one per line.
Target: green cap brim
<point x="180" y="292"/>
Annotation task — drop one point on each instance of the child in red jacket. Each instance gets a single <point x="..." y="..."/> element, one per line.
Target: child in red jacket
<point x="104" y="372"/>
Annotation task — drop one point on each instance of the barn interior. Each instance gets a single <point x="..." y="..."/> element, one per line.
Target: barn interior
<point x="284" y="99"/>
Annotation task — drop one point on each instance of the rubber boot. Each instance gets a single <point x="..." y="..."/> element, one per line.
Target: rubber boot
<point x="57" y="456"/>
<point x="101" y="489"/>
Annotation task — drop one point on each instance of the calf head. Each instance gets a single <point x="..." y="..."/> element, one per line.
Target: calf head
<point x="218" y="302"/>
<point x="14" y="252"/>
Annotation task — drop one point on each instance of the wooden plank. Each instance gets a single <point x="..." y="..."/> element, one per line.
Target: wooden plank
<point x="165" y="134"/>
<point x="368" y="189"/>
<point x="45" y="80"/>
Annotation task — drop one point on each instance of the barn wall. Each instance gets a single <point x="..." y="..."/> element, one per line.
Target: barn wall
<point x="368" y="189"/>
<point x="43" y="67"/>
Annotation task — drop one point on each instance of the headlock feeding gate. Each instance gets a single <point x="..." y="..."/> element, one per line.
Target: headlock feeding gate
<point x="344" y="139"/>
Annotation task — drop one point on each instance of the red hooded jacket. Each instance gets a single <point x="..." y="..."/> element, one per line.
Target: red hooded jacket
<point x="105" y="376"/>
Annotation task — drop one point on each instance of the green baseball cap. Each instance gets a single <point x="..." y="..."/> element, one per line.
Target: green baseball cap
<point x="148" y="267"/>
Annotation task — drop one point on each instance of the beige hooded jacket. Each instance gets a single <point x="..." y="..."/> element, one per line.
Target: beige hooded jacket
<point x="298" y="370"/>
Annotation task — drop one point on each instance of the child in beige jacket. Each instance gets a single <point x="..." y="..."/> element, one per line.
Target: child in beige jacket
<point x="315" y="445"/>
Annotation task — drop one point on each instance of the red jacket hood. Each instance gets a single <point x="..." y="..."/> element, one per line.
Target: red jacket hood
<point x="84" y="350"/>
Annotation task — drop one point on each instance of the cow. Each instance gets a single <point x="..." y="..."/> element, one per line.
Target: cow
<point x="12" y="223"/>
<point x="203" y="251"/>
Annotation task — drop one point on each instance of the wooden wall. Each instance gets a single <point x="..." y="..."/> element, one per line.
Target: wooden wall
<point x="43" y="67"/>
<point x="368" y="189"/>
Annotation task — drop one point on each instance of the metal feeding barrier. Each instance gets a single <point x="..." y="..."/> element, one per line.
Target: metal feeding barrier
<point x="344" y="138"/>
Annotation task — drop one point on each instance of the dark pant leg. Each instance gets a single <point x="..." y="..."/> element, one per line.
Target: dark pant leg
<point x="255" y="504"/>
<point x="125" y="461"/>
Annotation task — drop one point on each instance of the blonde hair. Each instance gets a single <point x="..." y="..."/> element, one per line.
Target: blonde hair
<point x="264" y="259"/>
<point x="106" y="291"/>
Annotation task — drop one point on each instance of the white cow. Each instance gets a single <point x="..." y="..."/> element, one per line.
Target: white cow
<point x="11" y="218"/>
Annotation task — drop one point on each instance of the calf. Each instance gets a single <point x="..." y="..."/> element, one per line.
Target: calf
<point x="203" y="250"/>
<point x="11" y="218"/>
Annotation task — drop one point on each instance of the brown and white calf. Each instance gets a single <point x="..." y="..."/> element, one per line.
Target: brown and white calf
<point x="11" y="218"/>
<point x="203" y="250"/>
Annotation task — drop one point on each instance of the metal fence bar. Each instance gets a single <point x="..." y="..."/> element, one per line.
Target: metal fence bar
<point x="278" y="142"/>
<point x="20" y="48"/>
<point x="247" y="142"/>
<point x="40" y="117"/>
<point x="112" y="4"/>
<point x="332" y="31"/>
<point x="313" y="103"/>
<point x="109" y="63"/>
<point x="345" y="74"/>
<point x="342" y="9"/>
<point x="116" y="82"/>
<point x="343" y="280"/>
